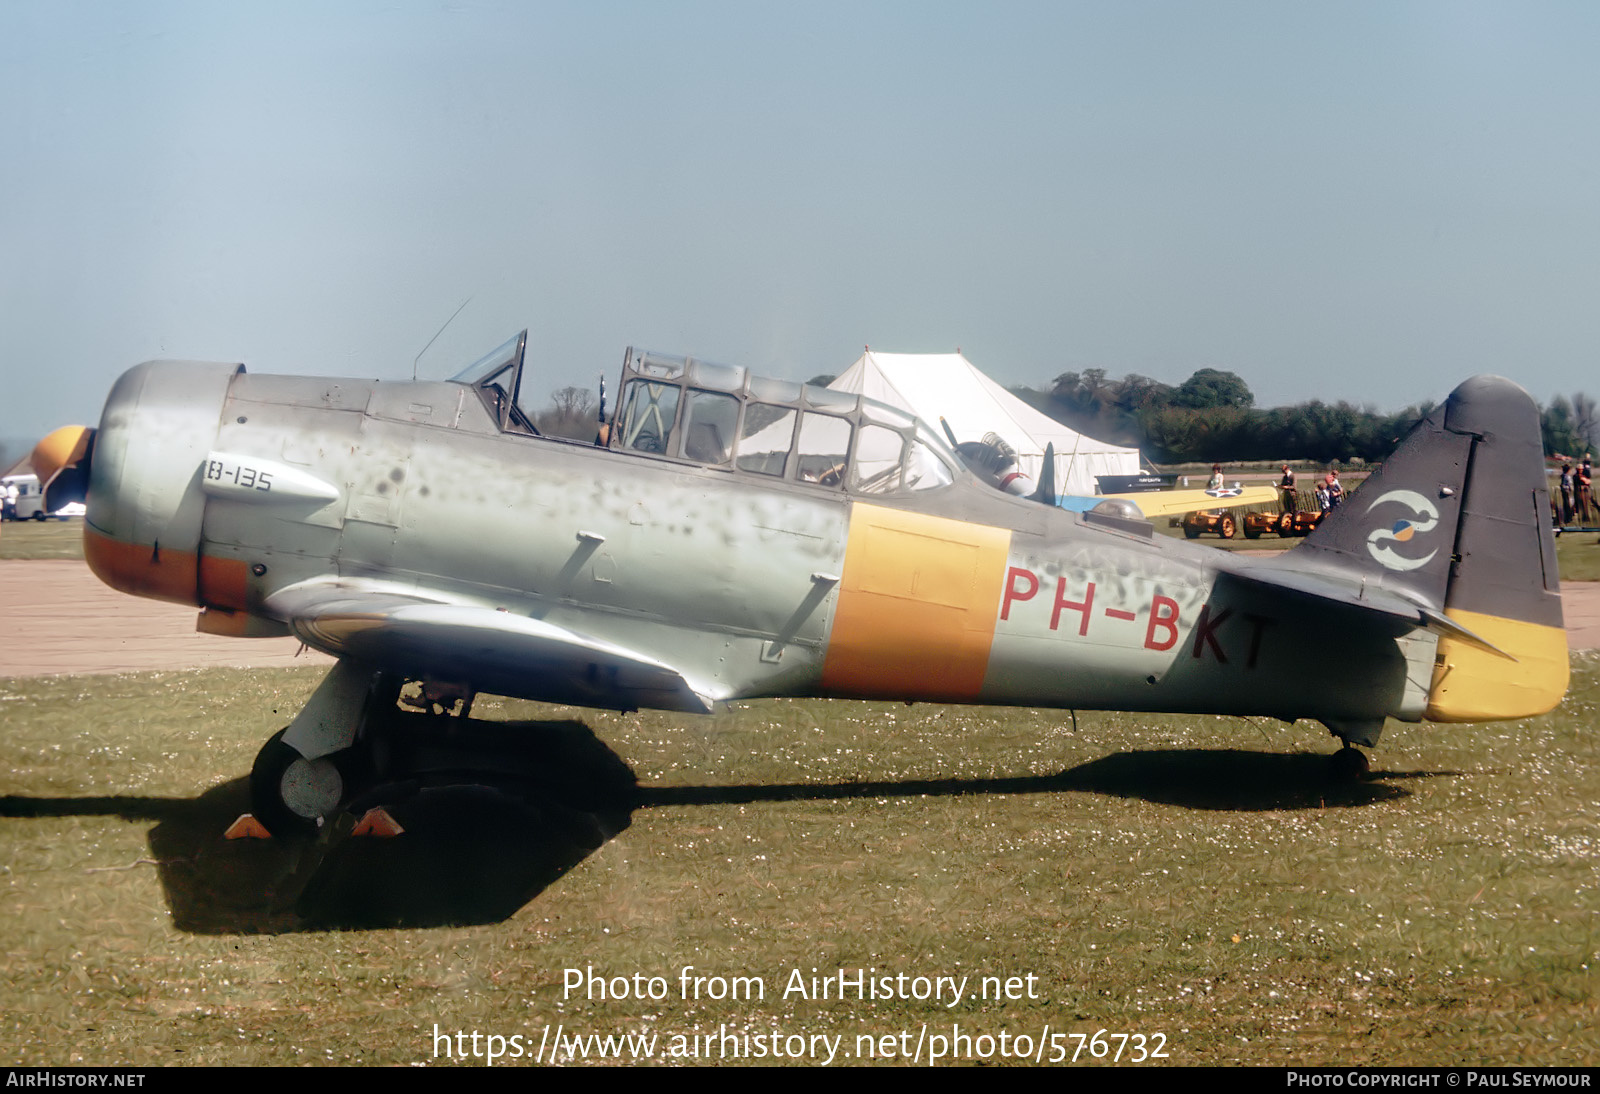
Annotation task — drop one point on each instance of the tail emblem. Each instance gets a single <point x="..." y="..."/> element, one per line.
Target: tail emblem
<point x="1380" y="541"/>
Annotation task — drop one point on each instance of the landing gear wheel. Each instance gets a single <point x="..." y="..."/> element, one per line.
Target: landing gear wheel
<point x="1349" y="765"/>
<point x="290" y="794"/>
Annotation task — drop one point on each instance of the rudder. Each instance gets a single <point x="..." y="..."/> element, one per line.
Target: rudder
<point x="1458" y="519"/>
<point x="1504" y="586"/>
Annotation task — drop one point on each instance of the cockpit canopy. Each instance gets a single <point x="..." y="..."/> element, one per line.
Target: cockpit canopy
<point x="680" y="408"/>
<point x="722" y="416"/>
<point x="497" y="378"/>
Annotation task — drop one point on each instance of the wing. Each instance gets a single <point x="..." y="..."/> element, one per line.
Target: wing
<point x="491" y="650"/>
<point x="1162" y="503"/>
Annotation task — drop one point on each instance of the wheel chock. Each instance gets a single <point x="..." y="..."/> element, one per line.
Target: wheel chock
<point x="247" y="827"/>
<point x="377" y="822"/>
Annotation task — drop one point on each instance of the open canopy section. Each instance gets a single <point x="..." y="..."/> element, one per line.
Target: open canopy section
<point x="680" y="408"/>
<point x="497" y="378"/>
<point x="948" y="386"/>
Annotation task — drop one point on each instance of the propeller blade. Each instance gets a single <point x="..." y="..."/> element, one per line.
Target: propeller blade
<point x="62" y="462"/>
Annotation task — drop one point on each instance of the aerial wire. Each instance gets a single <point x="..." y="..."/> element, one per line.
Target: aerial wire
<point x="435" y="338"/>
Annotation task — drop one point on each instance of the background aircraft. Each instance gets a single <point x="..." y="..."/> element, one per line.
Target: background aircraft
<point x="739" y="536"/>
<point x="994" y="461"/>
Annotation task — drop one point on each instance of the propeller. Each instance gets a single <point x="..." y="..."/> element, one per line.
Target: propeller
<point x="995" y="462"/>
<point x="62" y="462"/>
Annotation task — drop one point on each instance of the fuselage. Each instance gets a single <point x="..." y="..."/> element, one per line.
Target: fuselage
<point x="222" y="489"/>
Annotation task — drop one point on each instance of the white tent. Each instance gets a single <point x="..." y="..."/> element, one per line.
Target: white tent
<point x="934" y="385"/>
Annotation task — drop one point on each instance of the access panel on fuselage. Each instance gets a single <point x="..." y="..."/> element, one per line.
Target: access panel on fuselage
<point x="916" y="607"/>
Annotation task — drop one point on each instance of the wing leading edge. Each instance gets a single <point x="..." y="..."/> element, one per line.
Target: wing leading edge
<point x="492" y="650"/>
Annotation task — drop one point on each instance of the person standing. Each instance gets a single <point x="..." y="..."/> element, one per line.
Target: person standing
<point x="1335" y="491"/>
<point x="1291" y="500"/>
<point x="1216" y="477"/>
<point x="1585" y="488"/>
<point x="1568" y="497"/>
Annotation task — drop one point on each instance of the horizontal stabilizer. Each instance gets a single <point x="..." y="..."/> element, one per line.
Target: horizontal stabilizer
<point x="1438" y="621"/>
<point x="1331" y="589"/>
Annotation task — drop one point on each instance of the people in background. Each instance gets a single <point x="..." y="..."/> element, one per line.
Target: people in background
<point x="1335" y="490"/>
<point x="1286" y="489"/>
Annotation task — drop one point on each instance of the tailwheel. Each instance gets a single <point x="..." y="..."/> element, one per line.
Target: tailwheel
<point x="1349" y="765"/>
<point x="290" y="794"/>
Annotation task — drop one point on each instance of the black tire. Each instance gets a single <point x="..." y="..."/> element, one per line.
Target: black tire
<point x="1190" y="532"/>
<point x="1226" y="528"/>
<point x="1251" y="533"/>
<point x="40" y="515"/>
<point x="266" y="790"/>
<point x="1349" y="765"/>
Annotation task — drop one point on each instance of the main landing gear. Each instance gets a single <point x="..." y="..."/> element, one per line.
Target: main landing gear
<point x="290" y="794"/>
<point x="1350" y="764"/>
<point x="334" y="749"/>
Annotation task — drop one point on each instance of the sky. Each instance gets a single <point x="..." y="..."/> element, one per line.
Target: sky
<point x="1362" y="201"/>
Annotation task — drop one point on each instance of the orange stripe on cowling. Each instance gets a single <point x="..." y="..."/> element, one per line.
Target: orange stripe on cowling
<point x="141" y="569"/>
<point x="165" y="574"/>
<point x="224" y="582"/>
<point x="917" y="603"/>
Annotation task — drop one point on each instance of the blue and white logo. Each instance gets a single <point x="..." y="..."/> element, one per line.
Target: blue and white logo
<point x="1381" y="542"/>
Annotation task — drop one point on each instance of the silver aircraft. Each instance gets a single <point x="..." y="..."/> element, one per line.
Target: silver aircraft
<point x="736" y="537"/>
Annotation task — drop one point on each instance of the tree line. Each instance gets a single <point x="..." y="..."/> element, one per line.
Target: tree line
<point x="1211" y="417"/>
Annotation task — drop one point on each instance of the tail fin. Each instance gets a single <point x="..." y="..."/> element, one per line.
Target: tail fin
<point x="1459" y="519"/>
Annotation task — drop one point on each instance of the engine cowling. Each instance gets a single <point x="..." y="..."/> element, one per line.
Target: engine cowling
<point x="144" y="498"/>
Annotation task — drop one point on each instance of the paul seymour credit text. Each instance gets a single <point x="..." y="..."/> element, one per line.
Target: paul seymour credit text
<point x="767" y="1038"/>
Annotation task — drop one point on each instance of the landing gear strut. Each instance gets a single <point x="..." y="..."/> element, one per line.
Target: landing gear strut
<point x="1350" y="764"/>
<point x="311" y="767"/>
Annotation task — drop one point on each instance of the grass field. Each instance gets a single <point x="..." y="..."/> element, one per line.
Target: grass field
<point x="41" y="539"/>
<point x="1196" y="878"/>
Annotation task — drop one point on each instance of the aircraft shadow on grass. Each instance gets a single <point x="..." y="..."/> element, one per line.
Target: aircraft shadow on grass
<point x="484" y="836"/>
